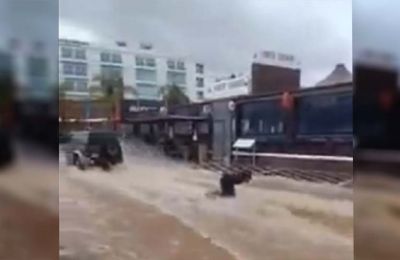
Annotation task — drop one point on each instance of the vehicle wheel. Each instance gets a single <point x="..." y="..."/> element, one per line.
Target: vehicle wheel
<point x="81" y="165"/>
<point x="112" y="150"/>
<point x="78" y="162"/>
<point x="75" y="160"/>
<point x="114" y="153"/>
<point x="105" y="165"/>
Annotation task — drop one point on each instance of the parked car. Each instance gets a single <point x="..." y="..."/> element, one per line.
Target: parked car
<point x="87" y="148"/>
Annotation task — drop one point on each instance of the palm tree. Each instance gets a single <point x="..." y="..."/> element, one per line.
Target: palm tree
<point x="112" y="93"/>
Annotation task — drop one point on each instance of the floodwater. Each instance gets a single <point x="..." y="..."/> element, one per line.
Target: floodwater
<point x="154" y="208"/>
<point x="29" y="220"/>
<point x="377" y="208"/>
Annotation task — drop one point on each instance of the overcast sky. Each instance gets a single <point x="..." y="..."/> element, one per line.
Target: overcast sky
<point x="224" y="34"/>
<point x="376" y="26"/>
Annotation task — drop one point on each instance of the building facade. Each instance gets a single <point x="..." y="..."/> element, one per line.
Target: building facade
<point x="270" y="72"/>
<point x="274" y="72"/>
<point x="28" y="46"/>
<point x="143" y="70"/>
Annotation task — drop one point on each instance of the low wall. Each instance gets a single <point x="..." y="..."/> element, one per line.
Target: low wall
<point x="312" y="162"/>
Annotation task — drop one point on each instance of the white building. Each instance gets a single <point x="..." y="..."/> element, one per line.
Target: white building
<point x="143" y="70"/>
<point x="28" y="46"/>
<point x="234" y="85"/>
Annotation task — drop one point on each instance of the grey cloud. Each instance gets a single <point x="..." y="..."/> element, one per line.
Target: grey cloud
<point x="376" y="27"/>
<point x="224" y="34"/>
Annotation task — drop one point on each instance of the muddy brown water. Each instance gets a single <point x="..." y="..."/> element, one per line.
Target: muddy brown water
<point x="99" y="224"/>
<point x="29" y="220"/>
<point x="271" y="218"/>
<point x="377" y="207"/>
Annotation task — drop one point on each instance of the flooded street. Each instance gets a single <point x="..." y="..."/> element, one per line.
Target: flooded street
<point x="97" y="223"/>
<point x="377" y="209"/>
<point x="29" y="219"/>
<point x="154" y="208"/>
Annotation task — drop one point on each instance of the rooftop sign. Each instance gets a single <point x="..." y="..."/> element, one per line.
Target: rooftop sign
<point x="276" y="59"/>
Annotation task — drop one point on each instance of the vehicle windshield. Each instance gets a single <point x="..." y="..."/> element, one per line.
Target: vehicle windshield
<point x="99" y="138"/>
<point x="80" y="137"/>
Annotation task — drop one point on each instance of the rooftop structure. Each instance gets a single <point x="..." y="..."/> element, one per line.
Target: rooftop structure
<point x="339" y="75"/>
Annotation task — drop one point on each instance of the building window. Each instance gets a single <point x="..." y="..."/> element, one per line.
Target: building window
<point x="66" y="52"/>
<point x="105" y="57"/>
<point x="262" y="118"/>
<point x="285" y="57"/>
<point x="199" y="68"/>
<point x="80" y="54"/>
<point x="148" y="91"/>
<point x="176" y="78"/>
<point x="200" y="82"/>
<point x="76" y="84"/>
<point x="146" y="74"/>
<point x="269" y="54"/>
<point x="111" y="72"/>
<point x="200" y="95"/>
<point x="80" y="69"/>
<point x="171" y="64"/>
<point x="148" y="62"/>
<point x="175" y="65"/>
<point x="139" y="61"/>
<point x="116" y="58"/>
<point x="68" y="68"/>
<point x="180" y="65"/>
<point x="151" y="62"/>
<point x="74" y="68"/>
<point x="325" y="113"/>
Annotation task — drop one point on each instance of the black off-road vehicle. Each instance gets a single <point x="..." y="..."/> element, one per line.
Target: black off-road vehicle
<point x="100" y="148"/>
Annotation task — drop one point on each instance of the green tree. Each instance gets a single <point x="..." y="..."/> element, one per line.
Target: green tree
<point x="112" y="91"/>
<point x="173" y="96"/>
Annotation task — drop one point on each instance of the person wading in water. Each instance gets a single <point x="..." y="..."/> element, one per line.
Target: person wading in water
<point x="228" y="182"/>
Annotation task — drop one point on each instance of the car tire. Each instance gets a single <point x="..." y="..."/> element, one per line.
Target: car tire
<point x="76" y="161"/>
<point x="115" y="154"/>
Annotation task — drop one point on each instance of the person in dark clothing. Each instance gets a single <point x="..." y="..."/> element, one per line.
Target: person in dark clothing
<point x="228" y="182"/>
